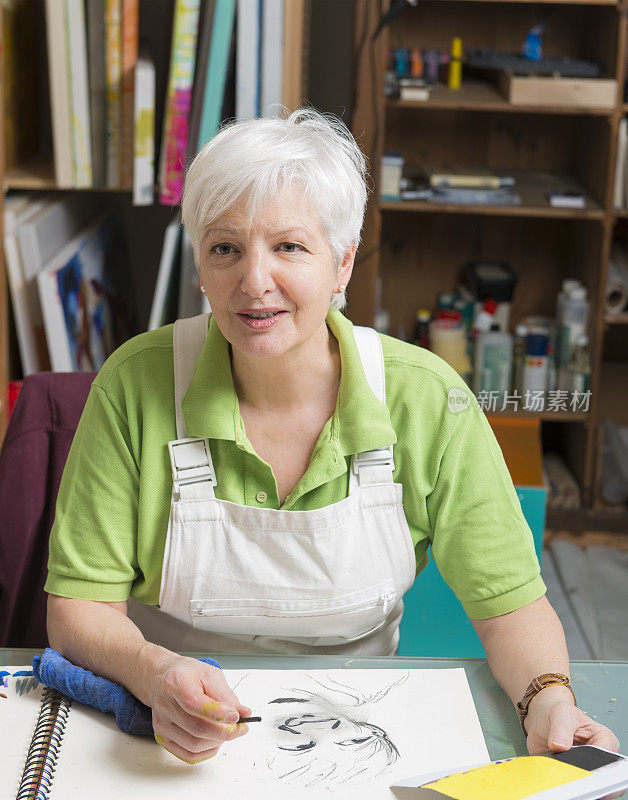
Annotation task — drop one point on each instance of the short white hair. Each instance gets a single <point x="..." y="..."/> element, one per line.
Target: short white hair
<point x="265" y="157"/>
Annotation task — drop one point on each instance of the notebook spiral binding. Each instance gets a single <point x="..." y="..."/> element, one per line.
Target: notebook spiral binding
<point x="41" y="760"/>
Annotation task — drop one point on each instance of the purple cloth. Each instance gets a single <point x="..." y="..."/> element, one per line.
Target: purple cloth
<point x="52" y="669"/>
<point x="32" y="459"/>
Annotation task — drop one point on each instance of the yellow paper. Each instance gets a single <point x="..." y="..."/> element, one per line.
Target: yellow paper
<point x="510" y="780"/>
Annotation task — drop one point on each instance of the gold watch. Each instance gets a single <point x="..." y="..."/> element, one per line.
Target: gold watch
<point x="538" y="683"/>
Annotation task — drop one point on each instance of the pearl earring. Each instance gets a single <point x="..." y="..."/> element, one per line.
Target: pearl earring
<point x="341" y="288"/>
<point x="203" y="289"/>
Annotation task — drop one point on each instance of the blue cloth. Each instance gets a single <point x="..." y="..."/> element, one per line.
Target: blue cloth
<point x="52" y="669"/>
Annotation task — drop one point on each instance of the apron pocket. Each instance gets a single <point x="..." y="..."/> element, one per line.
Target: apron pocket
<point x="330" y="621"/>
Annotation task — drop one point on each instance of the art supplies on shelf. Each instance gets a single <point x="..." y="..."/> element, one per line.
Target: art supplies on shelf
<point x="413" y="89"/>
<point x="59" y="83"/>
<point x="390" y="176"/>
<point x="567" y="198"/>
<point x="544" y="357"/>
<point x="106" y="109"/>
<point x="544" y="81"/>
<point x="82" y="298"/>
<point x="471" y="186"/>
<point x="493" y="361"/>
<point x="564" y="492"/>
<point x="174" y="138"/>
<point x="476" y="197"/>
<point x="468" y="179"/>
<point x="411" y="72"/>
<point x="164" y="305"/>
<point x="144" y="144"/>
<point x="95" y="10"/>
<point x="113" y="82"/>
<point x="621" y="163"/>
<point x="36" y="227"/>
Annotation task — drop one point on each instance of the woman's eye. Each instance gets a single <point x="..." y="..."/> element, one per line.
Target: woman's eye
<point x="213" y="249"/>
<point x="291" y="244"/>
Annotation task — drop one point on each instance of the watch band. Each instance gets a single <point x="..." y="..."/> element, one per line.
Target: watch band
<point x="539" y="683"/>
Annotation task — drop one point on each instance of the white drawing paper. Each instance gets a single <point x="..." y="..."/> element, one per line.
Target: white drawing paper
<point x="343" y="733"/>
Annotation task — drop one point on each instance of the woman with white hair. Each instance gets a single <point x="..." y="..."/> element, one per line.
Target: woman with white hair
<point x="269" y="478"/>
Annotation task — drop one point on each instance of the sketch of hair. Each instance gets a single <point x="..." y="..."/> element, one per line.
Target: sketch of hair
<point x="327" y="738"/>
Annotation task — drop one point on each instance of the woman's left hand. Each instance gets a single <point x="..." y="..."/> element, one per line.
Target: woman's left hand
<point x="555" y="723"/>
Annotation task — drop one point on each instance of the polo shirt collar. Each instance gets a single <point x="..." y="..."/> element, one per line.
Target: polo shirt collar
<point x="210" y="407"/>
<point x="362" y="421"/>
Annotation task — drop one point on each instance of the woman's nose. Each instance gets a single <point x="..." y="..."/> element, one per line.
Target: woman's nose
<point x="257" y="274"/>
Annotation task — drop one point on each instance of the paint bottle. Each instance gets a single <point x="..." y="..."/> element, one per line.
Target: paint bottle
<point x="518" y="357"/>
<point x="485" y="317"/>
<point x="579" y="366"/>
<point x="535" y="368"/>
<point x="448" y="340"/>
<point x="455" y="63"/>
<point x="493" y="361"/>
<point x="416" y="63"/>
<point x="422" y="329"/>
<point x="574" y="313"/>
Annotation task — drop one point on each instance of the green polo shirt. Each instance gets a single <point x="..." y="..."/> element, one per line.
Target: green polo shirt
<point x="109" y="534"/>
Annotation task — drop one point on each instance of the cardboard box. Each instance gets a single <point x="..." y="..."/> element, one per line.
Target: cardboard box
<point x="434" y="623"/>
<point x="536" y="90"/>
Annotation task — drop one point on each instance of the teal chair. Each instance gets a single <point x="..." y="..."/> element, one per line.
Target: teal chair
<point x="434" y="623"/>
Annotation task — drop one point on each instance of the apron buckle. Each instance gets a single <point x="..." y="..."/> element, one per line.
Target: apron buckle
<point x="191" y="462"/>
<point x="382" y="457"/>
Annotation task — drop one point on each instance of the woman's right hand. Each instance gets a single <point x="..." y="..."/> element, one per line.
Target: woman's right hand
<point x="194" y="710"/>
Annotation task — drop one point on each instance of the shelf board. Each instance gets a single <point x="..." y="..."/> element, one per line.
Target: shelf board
<point x="544" y="416"/>
<point x="483" y="96"/>
<point x="38" y="174"/>
<point x="553" y="2"/>
<point x="589" y="524"/>
<point x="616" y="319"/>
<point x="533" y="188"/>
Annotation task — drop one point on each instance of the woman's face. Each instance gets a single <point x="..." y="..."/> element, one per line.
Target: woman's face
<point x="280" y="267"/>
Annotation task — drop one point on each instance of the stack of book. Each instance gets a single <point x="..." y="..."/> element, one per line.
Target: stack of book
<point x="67" y="271"/>
<point x="472" y="187"/>
<point x="102" y="83"/>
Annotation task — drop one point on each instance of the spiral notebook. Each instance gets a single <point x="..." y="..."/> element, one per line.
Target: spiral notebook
<point x="343" y="733"/>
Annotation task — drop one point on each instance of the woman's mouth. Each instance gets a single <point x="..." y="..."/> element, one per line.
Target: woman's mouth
<point x="261" y="320"/>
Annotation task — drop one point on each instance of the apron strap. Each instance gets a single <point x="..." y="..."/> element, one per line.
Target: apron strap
<point x="374" y="466"/>
<point x="193" y="473"/>
<point x="188" y="340"/>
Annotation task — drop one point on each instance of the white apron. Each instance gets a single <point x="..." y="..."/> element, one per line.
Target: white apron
<point x="241" y="579"/>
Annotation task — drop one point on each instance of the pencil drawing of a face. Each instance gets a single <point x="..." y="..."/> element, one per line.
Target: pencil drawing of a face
<point x="324" y="736"/>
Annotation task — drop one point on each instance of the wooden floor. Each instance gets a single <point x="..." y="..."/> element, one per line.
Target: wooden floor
<point x="588" y="587"/>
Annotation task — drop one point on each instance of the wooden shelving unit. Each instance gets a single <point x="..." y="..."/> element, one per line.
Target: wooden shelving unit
<point x="418" y="248"/>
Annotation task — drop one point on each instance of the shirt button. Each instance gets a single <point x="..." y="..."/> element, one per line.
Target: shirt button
<point x="261" y="497"/>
